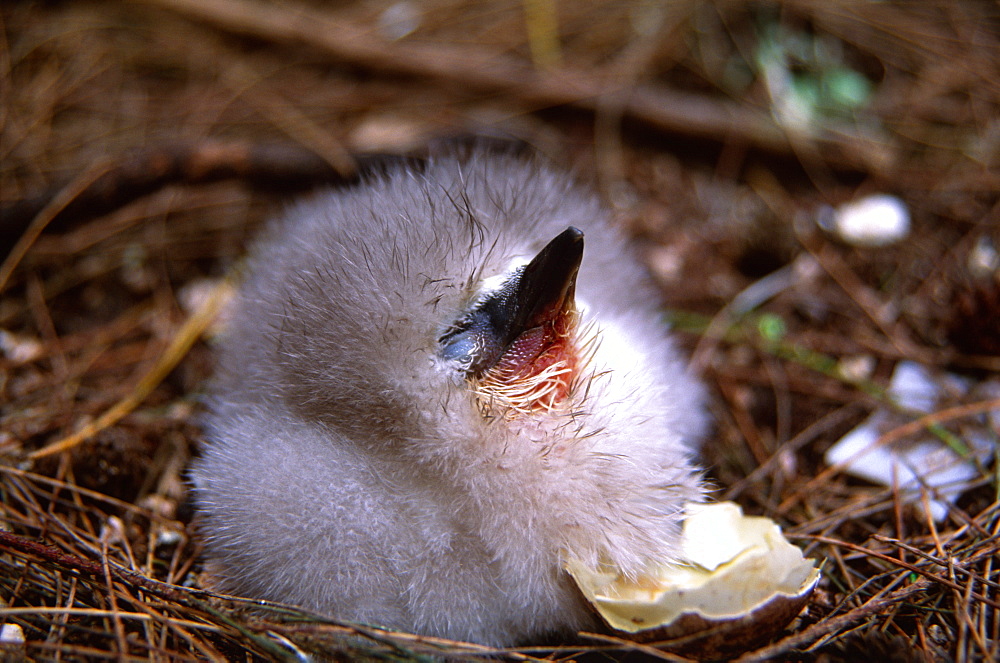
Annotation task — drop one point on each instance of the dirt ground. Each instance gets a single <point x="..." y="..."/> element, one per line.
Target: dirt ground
<point x="143" y="143"/>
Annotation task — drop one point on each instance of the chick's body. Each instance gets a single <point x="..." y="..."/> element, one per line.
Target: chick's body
<point x="354" y="469"/>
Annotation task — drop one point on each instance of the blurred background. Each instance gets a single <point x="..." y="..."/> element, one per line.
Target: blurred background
<point x="814" y="186"/>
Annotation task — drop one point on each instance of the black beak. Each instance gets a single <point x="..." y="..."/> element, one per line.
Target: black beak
<point x="533" y="297"/>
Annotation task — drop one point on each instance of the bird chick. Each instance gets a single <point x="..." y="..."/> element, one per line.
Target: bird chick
<point x="429" y="399"/>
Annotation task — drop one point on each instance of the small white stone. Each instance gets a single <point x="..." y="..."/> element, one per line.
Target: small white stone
<point x="11" y="634"/>
<point x="876" y="220"/>
<point x="388" y="132"/>
<point x="20" y="349"/>
<point x="113" y="531"/>
<point x="857" y="368"/>
<point x="168" y="537"/>
<point x="198" y="293"/>
<point x="984" y="260"/>
<point x="399" y="19"/>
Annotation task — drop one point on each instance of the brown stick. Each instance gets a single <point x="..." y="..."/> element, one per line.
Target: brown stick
<point x="914" y="568"/>
<point x="277" y="166"/>
<point x="93" y="568"/>
<point x="106" y="570"/>
<point x="658" y="107"/>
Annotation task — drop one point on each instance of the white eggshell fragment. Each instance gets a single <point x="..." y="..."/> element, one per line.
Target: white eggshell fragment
<point x="876" y="220"/>
<point x="741" y="583"/>
<point x="921" y="462"/>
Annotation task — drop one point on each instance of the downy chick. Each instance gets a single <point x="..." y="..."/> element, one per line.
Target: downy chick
<point x="429" y="398"/>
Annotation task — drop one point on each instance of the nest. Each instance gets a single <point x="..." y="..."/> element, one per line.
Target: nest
<point x="143" y="144"/>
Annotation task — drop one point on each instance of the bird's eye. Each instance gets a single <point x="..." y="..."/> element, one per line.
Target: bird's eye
<point x="473" y="345"/>
<point x="462" y="347"/>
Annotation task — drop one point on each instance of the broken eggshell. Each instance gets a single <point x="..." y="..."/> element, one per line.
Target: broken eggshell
<point x="741" y="582"/>
<point x="920" y="463"/>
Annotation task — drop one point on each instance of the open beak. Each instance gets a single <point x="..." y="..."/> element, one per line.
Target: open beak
<point x="534" y="303"/>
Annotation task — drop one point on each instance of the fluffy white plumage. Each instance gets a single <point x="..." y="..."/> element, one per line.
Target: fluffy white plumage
<point x="350" y="467"/>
